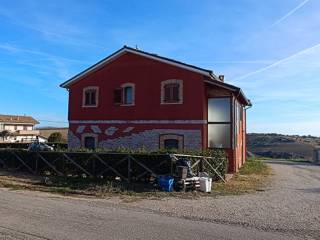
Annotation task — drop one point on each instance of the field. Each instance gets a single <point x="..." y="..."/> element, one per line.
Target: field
<point x="282" y="146"/>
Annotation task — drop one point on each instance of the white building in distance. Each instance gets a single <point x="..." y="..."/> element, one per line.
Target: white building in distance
<point x="20" y="128"/>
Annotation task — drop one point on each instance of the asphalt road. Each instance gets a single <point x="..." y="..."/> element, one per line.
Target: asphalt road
<point x="31" y="215"/>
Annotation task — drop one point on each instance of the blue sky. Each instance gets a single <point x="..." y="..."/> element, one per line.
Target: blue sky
<point x="271" y="49"/>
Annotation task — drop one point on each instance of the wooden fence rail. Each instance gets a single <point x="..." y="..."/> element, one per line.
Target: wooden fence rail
<point x="128" y="167"/>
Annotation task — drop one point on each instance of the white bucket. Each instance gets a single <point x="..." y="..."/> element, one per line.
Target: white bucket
<point x="205" y="184"/>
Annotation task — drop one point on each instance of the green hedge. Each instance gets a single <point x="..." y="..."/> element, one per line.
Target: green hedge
<point x="216" y="158"/>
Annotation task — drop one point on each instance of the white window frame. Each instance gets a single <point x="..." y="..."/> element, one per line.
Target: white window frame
<point x="84" y="96"/>
<point x="172" y="81"/>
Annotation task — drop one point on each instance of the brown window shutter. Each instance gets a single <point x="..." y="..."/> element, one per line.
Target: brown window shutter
<point x="167" y="93"/>
<point x="175" y="92"/>
<point x="93" y="97"/>
<point x="171" y="92"/>
<point x="117" y="96"/>
<point x="87" y="98"/>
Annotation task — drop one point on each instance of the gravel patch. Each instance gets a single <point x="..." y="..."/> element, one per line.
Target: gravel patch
<point x="291" y="204"/>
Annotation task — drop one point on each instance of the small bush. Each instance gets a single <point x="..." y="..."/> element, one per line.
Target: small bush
<point x="55" y="137"/>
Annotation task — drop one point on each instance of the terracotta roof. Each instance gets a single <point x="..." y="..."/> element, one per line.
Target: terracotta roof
<point x="17" y="119"/>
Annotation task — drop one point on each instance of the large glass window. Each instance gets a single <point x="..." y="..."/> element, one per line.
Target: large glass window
<point x="219" y="122"/>
<point x="219" y="135"/>
<point x="219" y="110"/>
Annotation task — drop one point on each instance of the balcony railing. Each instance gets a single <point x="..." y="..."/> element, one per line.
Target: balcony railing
<point x="27" y="132"/>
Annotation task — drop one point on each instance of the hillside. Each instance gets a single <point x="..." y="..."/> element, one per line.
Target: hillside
<point x="282" y="146"/>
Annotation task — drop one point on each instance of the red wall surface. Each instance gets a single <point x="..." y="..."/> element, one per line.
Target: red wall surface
<point x="147" y="75"/>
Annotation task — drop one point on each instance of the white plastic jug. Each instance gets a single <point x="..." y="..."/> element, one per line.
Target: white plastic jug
<point x="205" y="184"/>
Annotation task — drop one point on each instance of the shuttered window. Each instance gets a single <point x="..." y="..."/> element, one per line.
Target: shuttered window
<point x="90" y="97"/>
<point x="124" y="95"/>
<point x="117" y="96"/>
<point x="171" y="93"/>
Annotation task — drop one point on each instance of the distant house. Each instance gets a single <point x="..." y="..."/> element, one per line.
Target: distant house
<point x="20" y="128"/>
<point x="136" y="99"/>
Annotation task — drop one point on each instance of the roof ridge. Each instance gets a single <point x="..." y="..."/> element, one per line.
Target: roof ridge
<point x="101" y="63"/>
<point x="170" y="59"/>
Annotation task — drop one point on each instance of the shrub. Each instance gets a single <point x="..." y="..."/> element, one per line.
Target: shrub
<point x="55" y="137"/>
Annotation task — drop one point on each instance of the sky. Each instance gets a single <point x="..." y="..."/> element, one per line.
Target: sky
<point x="271" y="49"/>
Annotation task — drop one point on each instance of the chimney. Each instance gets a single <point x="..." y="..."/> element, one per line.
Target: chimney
<point x="221" y="78"/>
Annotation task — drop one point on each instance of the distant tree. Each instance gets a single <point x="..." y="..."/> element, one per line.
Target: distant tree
<point x="4" y="134"/>
<point x="55" y="137"/>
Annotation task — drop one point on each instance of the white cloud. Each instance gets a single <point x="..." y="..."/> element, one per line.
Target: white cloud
<point x="288" y="14"/>
<point x="51" y="28"/>
<point x="279" y="62"/>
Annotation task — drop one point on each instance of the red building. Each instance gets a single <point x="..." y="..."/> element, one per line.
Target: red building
<point x="135" y="99"/>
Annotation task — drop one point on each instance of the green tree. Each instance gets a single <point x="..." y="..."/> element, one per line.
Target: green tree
<point x="55" y="137"/>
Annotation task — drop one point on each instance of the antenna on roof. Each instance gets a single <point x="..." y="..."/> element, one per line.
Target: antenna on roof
<point x="137" y="47"/>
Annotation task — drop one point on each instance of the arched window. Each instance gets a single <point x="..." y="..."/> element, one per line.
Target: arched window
<point x="172" y="91"/>
<point x="89" y="140"/>
<point x="90" y="97"/>
<point x="171" y="141"/>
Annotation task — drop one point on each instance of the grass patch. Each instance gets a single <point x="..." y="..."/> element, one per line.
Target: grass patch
<point x="86" y="187"/>
<point x="254" y="166"/>
<point x="252" y="177"/>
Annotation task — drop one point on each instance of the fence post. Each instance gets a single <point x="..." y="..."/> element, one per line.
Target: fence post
<point x="94" y="167"/>
<point x="201" y="165"/>
<point x="129" y="169"/>
<point x="37" y="160"/>
<point x="171" y="165"/>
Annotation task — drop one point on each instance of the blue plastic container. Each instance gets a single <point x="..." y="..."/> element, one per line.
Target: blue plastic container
<point x="165" y="183"/>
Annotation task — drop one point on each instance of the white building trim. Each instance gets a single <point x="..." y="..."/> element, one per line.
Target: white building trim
<point x="138" y="121"/>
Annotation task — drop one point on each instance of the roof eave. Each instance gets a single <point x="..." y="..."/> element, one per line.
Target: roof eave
<point x="231" y="88"/>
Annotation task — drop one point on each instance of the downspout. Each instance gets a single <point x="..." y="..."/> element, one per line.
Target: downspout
<point x="245" y="148"/>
